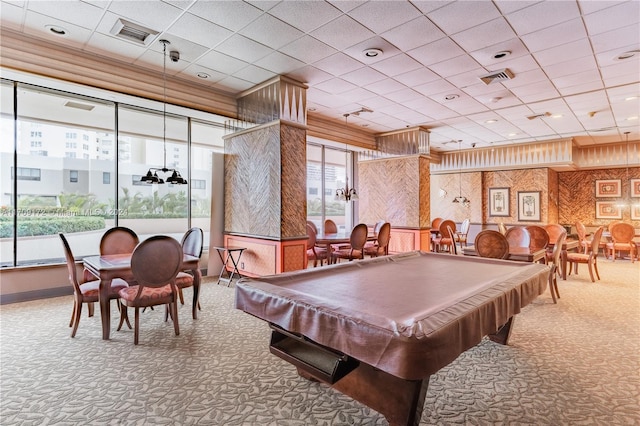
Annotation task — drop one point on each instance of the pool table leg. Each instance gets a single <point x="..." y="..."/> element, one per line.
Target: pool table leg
<point x="399" y="401"/>
<point x="502" y="335"/>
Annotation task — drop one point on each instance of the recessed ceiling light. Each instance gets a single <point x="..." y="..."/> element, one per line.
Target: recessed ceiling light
<point x="59" y="31"/>
<point x="627" y="55"/>
<point x="491" y="121"/>
<point x="632" y="118"/>
<point x="556" y="116"/>
<point x="203" y="75"/>
<point x="365" y="125"/>
<point x="372" y="53"/>
<point x="502" y="54"/>
<point x="631" y="98"/>
<point x="451" y="97"/>
<point x="312" y="109"/>
<point x="512" y="135"/>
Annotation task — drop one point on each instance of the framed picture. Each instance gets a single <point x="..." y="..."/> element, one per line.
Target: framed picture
<point x="608" y="210"/>
<point x="635" y="211"/>
<point x="608" y="188"/>
<point x="529" y="206"/>
<point x="635" y="187"/>
<point x="499" y="202"/>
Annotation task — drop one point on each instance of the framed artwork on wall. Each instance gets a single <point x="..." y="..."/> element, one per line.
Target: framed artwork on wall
<point x="635" y="211"/>
<point x="499" y="202"/>
<point x="529" y="206"/>
<point x="608" y="210"/>
<point x="635" y="187"/>
<point x="608" y="188"/>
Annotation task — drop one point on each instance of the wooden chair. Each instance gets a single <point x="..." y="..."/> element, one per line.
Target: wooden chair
<point x="622" y="234"/>
<point x="518" y="236"/>
<point x="443" y="239"/>
<point x="435" y="224"/>
<point x="381" y="247"/>
<point x="155" y="264"/>
<point x="539" y="238"/>
<point x="376" y="230"/>
<point x="502" y="228"/>
<point x="555" y="263"/>
<point x="313" y="252"/>
<point x="313" y="226"/>
<point x="85" y="291"/>
<point x="357" y="240"/>
<point x="192" y="242"/>
<point x="118" y="240"/>
<point x="461" y="235"/>
<point x="590" y="258"/>
<point x="452" y="235"/>
<point x="493" y="244"/>
<point x="330" y="227"/>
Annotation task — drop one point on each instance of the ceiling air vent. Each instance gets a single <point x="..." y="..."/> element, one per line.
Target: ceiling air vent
<point x="133" y="32"/>
<point x="501" y="75"/>
<point x="78" y="105"/>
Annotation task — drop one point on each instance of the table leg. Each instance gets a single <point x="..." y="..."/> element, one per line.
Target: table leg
<point x="197" y="275"/>
<point x="563" y="264"/>
<point x="105" y="308"/>
<point x="400" y="401"/>
<point x="223" y="259"/>
<point x="235" y="265"/>
<point x="502" y="335"/>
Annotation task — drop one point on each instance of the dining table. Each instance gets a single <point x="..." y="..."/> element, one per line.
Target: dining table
<point x="329" y="239"/>
<point x="566" y="246"/>
<point x="113" y="266"/>
<point x="518" y="254"/>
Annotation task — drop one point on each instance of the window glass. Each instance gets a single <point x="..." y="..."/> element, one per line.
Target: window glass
<point x="7" y="173"/>
<point x="59" y="189"/>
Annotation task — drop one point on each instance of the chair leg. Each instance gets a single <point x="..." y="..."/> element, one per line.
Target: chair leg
<point x="181" y="296"/>
<point x="552" y="277"/>
<point x="76" y="319"/>
<point x="591" y="273"/>
<point x="91" y="309"/>
<point x="136" y="326"/>
<point x="174" y="309"/>
<point x="124" y="315"/>
<point x="73" y="313"/>
<point x="595" y="267"/>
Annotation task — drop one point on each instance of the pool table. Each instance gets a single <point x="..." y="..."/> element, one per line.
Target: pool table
<point x="377" y="329"/>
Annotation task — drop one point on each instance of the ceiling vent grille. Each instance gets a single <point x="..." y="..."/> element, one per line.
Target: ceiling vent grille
<point x="497" y="76"/>
<point x="132" y="32"/>
<point x="78" y="105"/>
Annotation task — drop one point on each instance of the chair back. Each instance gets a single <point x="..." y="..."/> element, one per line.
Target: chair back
<point x="118" y="240"/>
<point x="581" y="230"/>
<point x="313" y="226"/>
<point x="557" y="249"/>
<point x="489" y="243"/>
<point x="518" y="236"/>
<point x="464" y="226"/>
<point x="192" y="242"/>
<point x="330" y="227"/>
<point x="311" y="237"/>
<point x="444" y="225"/>
<point x="595" y="241"/>
<point x="612" y="224"/>
<point x="554" y="230"/>
<point x="622" y="232"/>
<point x="377" y="226"/>
<point x="452" y="235"/>
<point x="539" y="239"/>
<point x="358" y="237"/>
<point x="502" y="228"/>
<point x="384" y="235"/>
<point x="156" y="261"/>
<point x="71" y="264"/>
<point x="435" y="223"/>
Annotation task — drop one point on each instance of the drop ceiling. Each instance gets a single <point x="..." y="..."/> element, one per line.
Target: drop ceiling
<point x="560" y="63"/>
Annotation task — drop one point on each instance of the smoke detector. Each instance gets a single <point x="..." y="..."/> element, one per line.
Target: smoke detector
<point x="497" y="76"/>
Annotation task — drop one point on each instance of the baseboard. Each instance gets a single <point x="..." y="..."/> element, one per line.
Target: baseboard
<point x="35" y="295"/>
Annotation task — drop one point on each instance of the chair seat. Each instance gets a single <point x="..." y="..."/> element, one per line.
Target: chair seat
<point x="578" y="257"/>
<point x="92" y="288"/>
<point x="184" y="280"/>
<point x="150" y="295"/>
<point x="348" y="254"/>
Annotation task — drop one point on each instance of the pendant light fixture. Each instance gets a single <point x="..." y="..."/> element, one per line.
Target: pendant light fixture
<point x="346" y="193"/>
<point x="152" y="175"/>
<point x="460" y="199"/>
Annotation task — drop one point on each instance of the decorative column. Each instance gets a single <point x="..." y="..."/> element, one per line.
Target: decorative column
<point x="396" y="189"/>
<point x="265" y="178"/>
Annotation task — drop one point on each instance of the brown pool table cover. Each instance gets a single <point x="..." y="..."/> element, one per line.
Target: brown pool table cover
<point x="408" y="314"/>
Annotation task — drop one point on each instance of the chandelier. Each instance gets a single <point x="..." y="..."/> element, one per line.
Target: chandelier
<point x="346" y="193"/>
<point x="152" y="175"/>
<point x="460" y="199"/>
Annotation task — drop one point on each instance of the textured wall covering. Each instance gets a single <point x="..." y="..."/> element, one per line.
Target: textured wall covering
<point x="265" y="182"/>
<point x="517" y="180"/>
<point x="395" y="190"/>
<point x="443" y="206"/>
<point x="577" y="195"/>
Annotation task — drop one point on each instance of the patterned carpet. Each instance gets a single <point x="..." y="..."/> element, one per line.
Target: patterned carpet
<point x="574" y="363"/>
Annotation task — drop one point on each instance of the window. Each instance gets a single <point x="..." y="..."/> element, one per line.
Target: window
<point x="71" y="135"/>
<point x="70" y="154"/>
<point x="73" y="176"/>
<point x="85" y="147"/>
<point x="313" y="191"/>
<point x="135" y="180"/>
<point x="26" y="173"/>
<point x="106" y="178"/>
<point x="198" y="184"/>
<point x="36" y="144"/>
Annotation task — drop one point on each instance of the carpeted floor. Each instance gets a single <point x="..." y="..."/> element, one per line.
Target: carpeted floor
<point x="574" y="363"/>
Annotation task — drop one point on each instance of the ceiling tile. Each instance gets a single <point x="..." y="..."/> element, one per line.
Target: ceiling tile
<point x="563" y="53"/>
<point x="338" y="64"/>
<point x="335" y="86"/>
<point x="254" y="74"/>
<point x="620" y="15"/>
<point x="221" y="62"/>
<point x="234" y="84"/>
<point x="383" y="87"/>
<point x="198" y="30"/>
<point x="417" y="77"/>
<point x="306" y="15"/>
<point x="308" y="49"/>
<point x="414" y="34"/>
<point x="363" y="76"/>
<point x="455" y="17"/>
<point x="396" y="65"/>
<point x="438" y="51"/>
<point x="233" y="15"/>
<point x="79" y="13"/>
<point x="489" y="33"/>
<point x="114" y="47"/>
<point x="243" y="48"/>
<point x="271" y="32"/>
<point x="542" y="15"/>
<point x="36" y="23"/>
<point x="279" y="63"/>
<point x="556" y="35"/>
<point x="342" y="32"/>
<point x="152" y="14"/>
<point x="616" y="39"/>
<point x="309" y="75"/>
<point x="381" y="16"/>
<point x="455" y="66"/>
<point x="573" y="67"/>
<point x="485" y="55"/>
